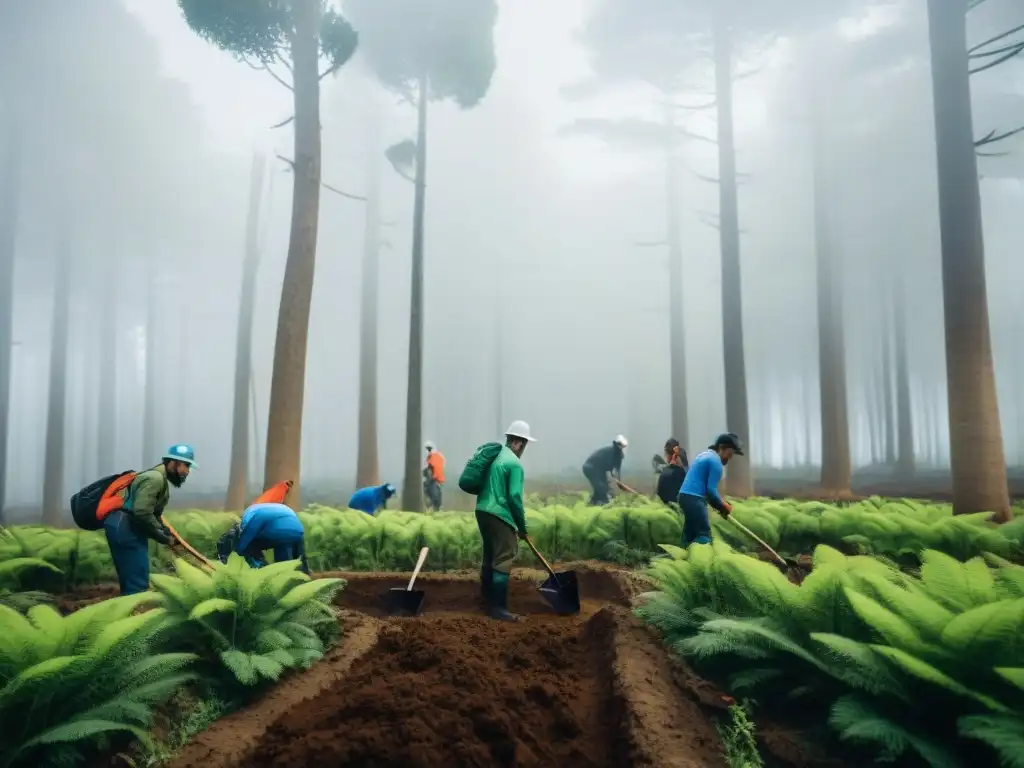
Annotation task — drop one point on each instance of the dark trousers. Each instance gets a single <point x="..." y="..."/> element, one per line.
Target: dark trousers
<point x="599" y="486"/>
<point x="500" y="547"/>
<point x="283" y="550"/>
<point x="432" y="490"/>
<point x="129" y="551"/>
<point x="696" y="526"/>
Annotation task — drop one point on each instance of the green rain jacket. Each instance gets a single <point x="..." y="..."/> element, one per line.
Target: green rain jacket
<point x="502" y="495"/>
<point x="146" y="498"/>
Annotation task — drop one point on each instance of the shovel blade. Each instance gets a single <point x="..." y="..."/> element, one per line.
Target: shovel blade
<point x="563" y="594"/>
<point x="405" y="602"/>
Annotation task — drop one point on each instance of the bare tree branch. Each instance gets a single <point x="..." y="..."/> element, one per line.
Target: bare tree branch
<point x="1016" y="51"/>
<point x="992" y="137"/>
<point x="697" y="107"/>
<point x="996" y="39"/>
<point x="325" y="185"/>
<point x="337" y="191"/>
<point x="283" y="123"/>
<point x="264" y="66"/>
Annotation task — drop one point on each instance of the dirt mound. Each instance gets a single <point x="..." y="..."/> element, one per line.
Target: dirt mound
<point x="459" y="594"/>
<point x="466" y="691"/>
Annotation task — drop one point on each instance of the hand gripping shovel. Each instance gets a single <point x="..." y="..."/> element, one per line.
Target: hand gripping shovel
<point x="789" y="567"/>
<point x="408" y="601"/>
<point x="188" y="547"/>
<point x="561" y="590"/>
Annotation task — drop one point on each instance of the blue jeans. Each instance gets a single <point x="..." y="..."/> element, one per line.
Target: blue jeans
<point x="129" y="551"/>
<point x="293" y="549"/>
<point x="696" y="526"/>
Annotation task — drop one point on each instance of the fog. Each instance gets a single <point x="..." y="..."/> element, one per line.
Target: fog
<point x="546" y="278"/>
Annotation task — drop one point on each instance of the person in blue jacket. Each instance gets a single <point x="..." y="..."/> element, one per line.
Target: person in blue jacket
<point x="700" y="488"/>
<point x="372" y="499"/>
<point x="270" y="526"/>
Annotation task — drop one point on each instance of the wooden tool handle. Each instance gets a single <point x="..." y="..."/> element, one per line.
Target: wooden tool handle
<point x="540" y="557"/>
<point x="759" y="540"/>
<point x="419" y="564"/>
<point x="627" y="489"/>
<point x="188" y="547"/>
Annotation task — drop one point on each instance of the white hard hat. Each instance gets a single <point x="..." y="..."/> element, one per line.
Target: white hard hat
<point x="430" y="445"/>
<point x="621" y="440"/>
<point x="519" y="429"/>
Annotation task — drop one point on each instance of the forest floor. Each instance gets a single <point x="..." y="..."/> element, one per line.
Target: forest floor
<point x="453" y="688"/>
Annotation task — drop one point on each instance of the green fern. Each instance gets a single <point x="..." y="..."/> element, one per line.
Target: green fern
<point x="67" y="681"/>
<point x="248" y="625"/>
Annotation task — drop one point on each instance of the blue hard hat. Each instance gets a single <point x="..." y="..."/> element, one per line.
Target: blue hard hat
<point x="183" y="453"/>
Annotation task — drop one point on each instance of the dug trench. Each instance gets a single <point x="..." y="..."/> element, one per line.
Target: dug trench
<point x="453" y="688"/>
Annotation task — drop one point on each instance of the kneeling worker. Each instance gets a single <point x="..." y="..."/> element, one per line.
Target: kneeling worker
<point x="700" y="488"/>
<point x="501" y="518"/>
<point x="372" y="499"/>
<point x="271" y="526"/>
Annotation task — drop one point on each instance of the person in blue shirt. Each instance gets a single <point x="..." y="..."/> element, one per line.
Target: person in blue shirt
<point x="263" y="527"/>
<point x="372" y="499"/>
<point x="700" y="488"/>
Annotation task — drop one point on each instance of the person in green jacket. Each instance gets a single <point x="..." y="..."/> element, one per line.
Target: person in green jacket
<point x="140" y="518"/>
<point x="502" y="520"/>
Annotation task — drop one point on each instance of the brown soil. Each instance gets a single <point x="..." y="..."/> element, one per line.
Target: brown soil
<point x="84" y="596"/>
<point x="230" y="739"/>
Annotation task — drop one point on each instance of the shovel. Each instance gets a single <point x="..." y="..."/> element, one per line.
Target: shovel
<point x="408" y="601"/>
<point x="188" y="547"/>
<point x="561" y="590"/>
<point x="789" y="567"/>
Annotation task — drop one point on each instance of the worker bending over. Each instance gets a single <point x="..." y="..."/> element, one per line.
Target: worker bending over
<point x="700" y="488"/>
<point x="672" y="474"/>
<point x="140" y="518"/>
<point x="597" y="468"/>
<point x="501" y="518"/>
<point x="372" y="499"/>
<point x="433" y="476"/>
<point x="267" y="526"/>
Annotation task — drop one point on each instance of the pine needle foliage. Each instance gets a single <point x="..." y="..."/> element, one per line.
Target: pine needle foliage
<point x="929" y="667"/>
<point x="69" y="683"/>
<point x="248" y="625"/>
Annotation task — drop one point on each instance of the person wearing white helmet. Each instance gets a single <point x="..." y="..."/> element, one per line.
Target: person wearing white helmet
<point x="433" y="476"/>
<point x="501" y="518"/>
<point x="605" y="460"/>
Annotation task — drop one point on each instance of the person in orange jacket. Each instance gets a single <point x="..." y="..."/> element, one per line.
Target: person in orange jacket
<point x="433" y="476"/>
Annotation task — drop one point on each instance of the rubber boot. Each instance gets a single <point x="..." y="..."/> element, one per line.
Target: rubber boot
<point x="499" y="598"/>
<point x="486" y="582"/>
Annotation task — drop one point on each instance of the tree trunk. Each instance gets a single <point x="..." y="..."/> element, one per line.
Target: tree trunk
<point x="739" y="477"/>
<point x="904" y="403"/>
<point x="10" y="183"/>
<point x="977" y="461"/>
<point x="106" y="421"/>
<point x="149" y="447"/>
<point x="836" y="464"/>
<point x="368" y="460"/>
<point x="412" y="490"/>
<point x="238" y="477"/>
<point x="677" y="333"/>
<point x="53" y="473"/>
<point x="888" y="404"/>
<point x="288" y="381"/>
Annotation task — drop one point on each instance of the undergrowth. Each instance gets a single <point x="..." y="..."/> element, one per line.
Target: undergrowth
<point x="739" y="737"/>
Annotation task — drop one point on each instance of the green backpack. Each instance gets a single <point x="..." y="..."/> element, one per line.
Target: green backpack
<point x="474" y="476"/>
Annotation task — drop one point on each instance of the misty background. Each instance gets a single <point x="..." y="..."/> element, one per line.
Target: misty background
<point x="543" y="267"/>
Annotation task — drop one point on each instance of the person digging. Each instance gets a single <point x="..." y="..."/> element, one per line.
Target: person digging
<point x="140" y="518"/>
<point x="501" y="518"/>
<point x="700" y="488"/>
<point x="602" y="462"/>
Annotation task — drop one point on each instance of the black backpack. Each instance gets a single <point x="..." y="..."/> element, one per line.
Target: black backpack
<point x="91" y="505"/>
<point x="474" y="476"/>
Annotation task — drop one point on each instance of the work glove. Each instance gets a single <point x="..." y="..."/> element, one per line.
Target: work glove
<point x="726" y="509"/>
<point x="522" y="534"/>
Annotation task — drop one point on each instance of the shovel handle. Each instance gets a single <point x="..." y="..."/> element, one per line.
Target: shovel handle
<point x="539" y="556"/>
<point x="759" y="540"/>
<point x="188" y="547"/>
<point x="419" y="564"/>
<point x="627" y="489"/>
